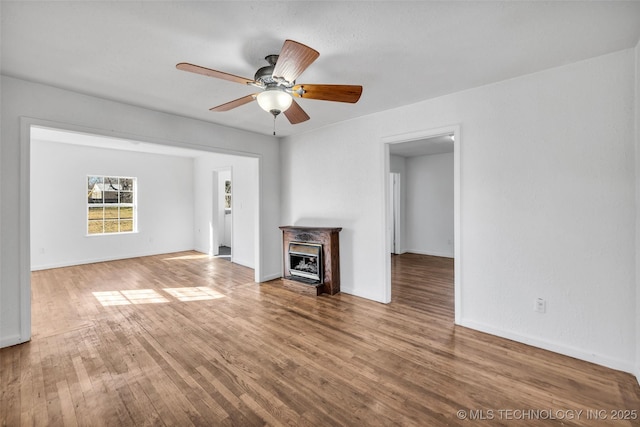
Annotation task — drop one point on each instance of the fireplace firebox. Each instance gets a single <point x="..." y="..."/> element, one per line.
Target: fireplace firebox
<point x="314" y="261"/>
<point x="305" y="261"/>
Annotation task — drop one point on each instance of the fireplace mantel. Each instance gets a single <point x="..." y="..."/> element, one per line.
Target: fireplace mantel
<point x="328" y="238"/>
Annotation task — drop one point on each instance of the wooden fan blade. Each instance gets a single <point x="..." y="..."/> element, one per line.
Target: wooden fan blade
<point x="184" y="66"/>
<point x="235" y="103"/>
<point x="338" y="93"/>
<point x="294" y="58"/>
<point x="295" y="114"/>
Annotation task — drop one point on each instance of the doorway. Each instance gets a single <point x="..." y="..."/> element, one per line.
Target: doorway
<point x="223" y="212"/>
<point x="170" y="219"/>
<point x="411" y="149"/>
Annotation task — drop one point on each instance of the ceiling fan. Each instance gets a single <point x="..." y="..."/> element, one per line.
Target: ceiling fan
<point x="277" y="81"/>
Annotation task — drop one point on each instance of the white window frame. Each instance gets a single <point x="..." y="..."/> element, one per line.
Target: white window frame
<point x="118" y="204"/>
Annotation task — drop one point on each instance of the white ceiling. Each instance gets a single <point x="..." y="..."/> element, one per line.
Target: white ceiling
<point x="400" y="52"/>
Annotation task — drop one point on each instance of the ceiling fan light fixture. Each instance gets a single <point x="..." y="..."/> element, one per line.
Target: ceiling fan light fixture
<point x="274" y="100"/>
<point x="277" y="84"/>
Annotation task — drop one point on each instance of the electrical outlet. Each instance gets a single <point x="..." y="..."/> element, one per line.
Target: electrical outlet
<point x="540" y="305"/>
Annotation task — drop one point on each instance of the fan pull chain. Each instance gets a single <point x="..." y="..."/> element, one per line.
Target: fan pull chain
<point x="274" y="125"/>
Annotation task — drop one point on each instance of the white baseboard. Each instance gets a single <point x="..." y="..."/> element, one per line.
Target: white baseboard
<point x="360" y="294"/>
<point x="242" y="262"/>
<point x="105" y="259"/>
<point x="555" y="347"/>
<point x="10" y="340"/>
<point x="203" y="250"/>
<point x="268" y="277"/>
<point x="428" y="252"/>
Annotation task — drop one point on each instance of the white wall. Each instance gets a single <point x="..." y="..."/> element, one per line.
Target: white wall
<point x="59" y="208"/>
<point x="26" y="102"/>
<point x="245" y="185"/>
<point x="429" y="205"/>
<point x="547" y="202"/>
<point x="331" y="178"/>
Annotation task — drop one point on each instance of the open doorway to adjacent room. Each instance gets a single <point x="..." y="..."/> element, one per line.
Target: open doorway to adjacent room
<point x="422" y="205"/>
<point x="171" y="204"/>
<point x="223" y="212"/>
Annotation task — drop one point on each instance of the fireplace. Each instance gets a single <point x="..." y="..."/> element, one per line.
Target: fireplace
<point x="305" y="261"/>
<point x="311" y="258"/>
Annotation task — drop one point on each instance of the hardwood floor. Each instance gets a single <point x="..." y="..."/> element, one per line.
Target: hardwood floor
<point x="184" y="339"/>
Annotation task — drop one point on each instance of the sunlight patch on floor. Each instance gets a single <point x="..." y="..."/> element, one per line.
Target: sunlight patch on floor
<point x="150" y="296"/>
<point x="193" y="294"/>
<point x="133" y="296"/>
<point x="111" y="298"/>
<point x="144" y="296"/>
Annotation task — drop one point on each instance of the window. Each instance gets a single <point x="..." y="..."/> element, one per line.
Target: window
<point x="111" y="205"/>
<point x="227" y="196"/>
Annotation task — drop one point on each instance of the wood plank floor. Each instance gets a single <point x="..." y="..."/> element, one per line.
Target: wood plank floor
<point x="183" y="339"/>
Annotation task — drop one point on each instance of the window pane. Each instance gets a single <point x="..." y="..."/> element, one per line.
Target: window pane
<point x="110" y="196"/>
<point x="95" y="212"/>
<point x="126" y="212"/>
<point x="126" y="197"/>
<point x="110" y="189"/>
<point x="126" y="184"/>
<point x="227" y="194"/>
<point x="111" y="226"/>
<point x="95" y="227"/>
<point x="93" y="180"/>
<point x="111" y="212"/>
<point x="111" y="183"/>
<point x="126" y="225"/>
<point x="94" y="189"/>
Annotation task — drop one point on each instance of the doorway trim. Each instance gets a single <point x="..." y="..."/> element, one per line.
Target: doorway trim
<point x="457" y="208"/>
